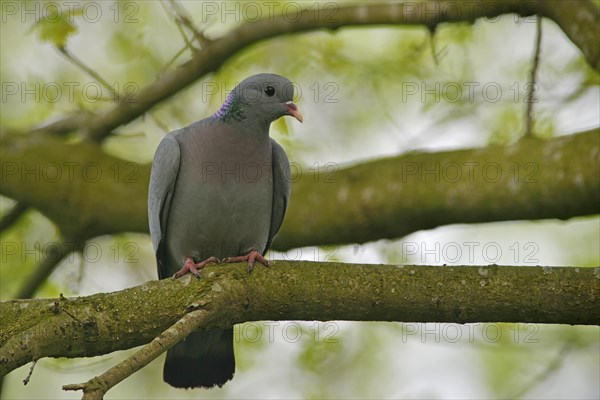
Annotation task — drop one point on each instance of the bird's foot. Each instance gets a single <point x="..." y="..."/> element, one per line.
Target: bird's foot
<point x="250" y="257"/>
<point x="191" y="267"/>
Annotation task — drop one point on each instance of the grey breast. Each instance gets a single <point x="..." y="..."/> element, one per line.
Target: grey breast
<point x="223" y="195"/>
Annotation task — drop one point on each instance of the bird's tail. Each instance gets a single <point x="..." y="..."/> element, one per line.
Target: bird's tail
<point x="203" y="359"/>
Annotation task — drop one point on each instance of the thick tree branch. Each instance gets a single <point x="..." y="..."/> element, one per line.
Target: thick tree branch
<point x="390" y="198"/>
<point x="88" y="193"/>
<point x="102" y="323"/>
<point x="578" y="20"/>
<point x="74" y="184"/>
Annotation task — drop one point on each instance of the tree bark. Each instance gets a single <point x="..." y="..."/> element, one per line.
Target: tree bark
<point x="105" y="322"/>
<point x="99" y="194"/>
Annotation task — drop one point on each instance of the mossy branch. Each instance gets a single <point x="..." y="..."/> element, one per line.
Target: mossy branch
<point x="89" y="193"/>
<point x="105" y="322"/>
<point x="95" y="388"/>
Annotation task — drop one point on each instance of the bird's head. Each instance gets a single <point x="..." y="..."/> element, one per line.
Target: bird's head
<point x="263" y="98"/>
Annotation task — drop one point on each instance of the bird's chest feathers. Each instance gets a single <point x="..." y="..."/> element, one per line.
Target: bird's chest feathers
<point x="225" y="188"/>
<point x="229" y="162"/>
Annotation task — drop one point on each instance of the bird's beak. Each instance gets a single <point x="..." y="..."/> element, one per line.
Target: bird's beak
<point x="294" y="111"/>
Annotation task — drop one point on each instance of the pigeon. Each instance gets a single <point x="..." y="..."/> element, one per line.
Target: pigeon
<point x="219" y="190"/>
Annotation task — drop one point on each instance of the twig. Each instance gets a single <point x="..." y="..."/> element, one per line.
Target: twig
<point x="13" y="215"/>
<point x="45" y="267"/>
<point x="532" y="78"/>
<point x="159" y="123"/>
<point x="71" y="315"/>
<point x="188" y="44"/>
<point x="174" y="58"/>
<point x="552" y="366"/>
<point x="218" y="51"/>
<point x="96" y="387"/>
<point x="431" y="30"/>
<point x="184" y="19"/>
<point x="80" y="64"/>
<point x="28" y="377"/>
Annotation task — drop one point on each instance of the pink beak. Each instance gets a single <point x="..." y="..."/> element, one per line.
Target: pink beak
<point x="294" y="111"/>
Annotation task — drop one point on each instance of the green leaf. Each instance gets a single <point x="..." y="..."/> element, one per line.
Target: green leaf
<point x="55" y="27"/>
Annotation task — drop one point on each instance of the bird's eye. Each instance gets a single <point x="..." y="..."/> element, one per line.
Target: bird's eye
<point x="269" y="91"/>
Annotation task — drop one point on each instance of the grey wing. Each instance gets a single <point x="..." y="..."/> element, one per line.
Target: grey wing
<point x="281" y="190"/>
<point x="163" y="177"/>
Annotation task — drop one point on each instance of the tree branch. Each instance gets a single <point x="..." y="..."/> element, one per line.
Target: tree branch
<point x="554" y="364"/>
<point x="74" y="184"/>
<point x="12" y="215"/>
<point x="99" y="194"/>
<point x="183" y="18"/>
<point x="81" y="65"/>
<point x="532" y="78"/>
<point x="392" y="197"/>
<point x="96" y="387"/>
<point x="578" y="21"/>
<point x="102" y="323"/>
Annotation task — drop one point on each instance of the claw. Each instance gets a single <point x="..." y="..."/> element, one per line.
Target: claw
<point x="251" y="257"/>
<point x="191" y="267"/>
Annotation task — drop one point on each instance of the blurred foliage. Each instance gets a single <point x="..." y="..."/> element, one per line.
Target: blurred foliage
<point x="55" y="26"/>
<point x="23" y="247"/>
<point x="530" y="355"/>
